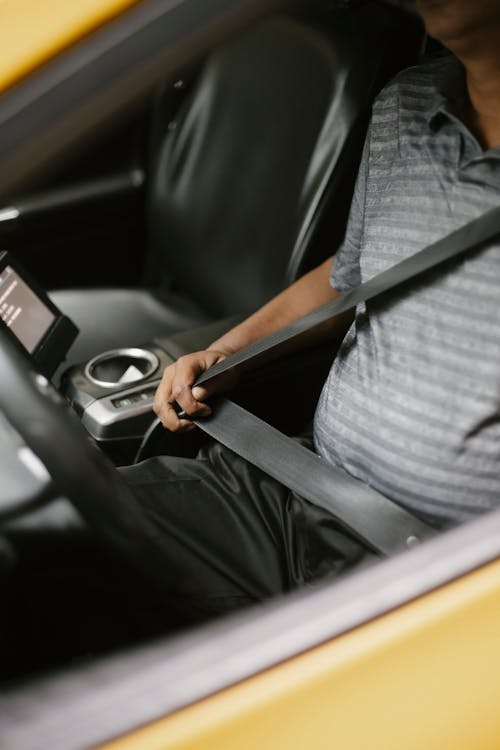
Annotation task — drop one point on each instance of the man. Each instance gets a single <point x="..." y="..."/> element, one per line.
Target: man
<point x="411" y="405"/>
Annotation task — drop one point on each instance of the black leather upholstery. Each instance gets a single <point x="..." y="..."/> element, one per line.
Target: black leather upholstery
<point x="251" y="175"/>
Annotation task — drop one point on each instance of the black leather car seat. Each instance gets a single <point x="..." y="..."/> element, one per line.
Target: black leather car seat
<point x="249" y="183"/>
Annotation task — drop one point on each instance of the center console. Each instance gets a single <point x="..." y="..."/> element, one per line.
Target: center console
<point x="113" y="392"/>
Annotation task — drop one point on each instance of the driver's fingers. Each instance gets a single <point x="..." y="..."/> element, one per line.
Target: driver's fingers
<point x="167" y="412"/>
<point x="183" y="396"/>
<point x="174" y="394"/>
<point x="169" y="418"/>
<point x="163" y="401"/>
<point x="218" y="385"/>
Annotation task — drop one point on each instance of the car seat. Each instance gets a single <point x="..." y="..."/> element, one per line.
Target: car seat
<point x="249" y="181"/>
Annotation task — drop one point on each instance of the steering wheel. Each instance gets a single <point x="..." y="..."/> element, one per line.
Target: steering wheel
<point x="79" y="470"/>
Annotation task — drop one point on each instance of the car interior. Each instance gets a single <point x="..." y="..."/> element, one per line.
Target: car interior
<point x="227" y="184"/>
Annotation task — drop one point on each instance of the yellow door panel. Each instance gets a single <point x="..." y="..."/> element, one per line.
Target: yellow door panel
<point x="425" y="677"/>
<point x="32" y="31"/>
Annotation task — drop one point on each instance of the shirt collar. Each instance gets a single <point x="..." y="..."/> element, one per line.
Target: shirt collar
<point x="447" y="107"/>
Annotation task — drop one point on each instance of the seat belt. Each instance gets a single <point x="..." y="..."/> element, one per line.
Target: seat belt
<point x="467" y="238"/>
<point x="380" y="523"/>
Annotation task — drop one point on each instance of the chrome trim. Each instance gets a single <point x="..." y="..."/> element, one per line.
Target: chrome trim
<point x="133" y="353"/>
<point x="9" y="214"/>
<point x="78" y="194"/>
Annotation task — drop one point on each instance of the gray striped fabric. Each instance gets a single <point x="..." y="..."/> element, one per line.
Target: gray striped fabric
<point x="411" y="405"/>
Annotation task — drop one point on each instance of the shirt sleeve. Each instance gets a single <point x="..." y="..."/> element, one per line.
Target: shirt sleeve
<point x="346" y="271"/>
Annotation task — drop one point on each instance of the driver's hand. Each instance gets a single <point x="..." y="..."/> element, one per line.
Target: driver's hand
<point x="176" y="387"/>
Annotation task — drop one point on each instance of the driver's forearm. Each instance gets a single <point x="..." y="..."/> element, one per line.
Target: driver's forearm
<point x="301" y="298"/>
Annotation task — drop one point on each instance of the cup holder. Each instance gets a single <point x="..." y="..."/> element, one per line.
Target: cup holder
<point x="121" y="367"/>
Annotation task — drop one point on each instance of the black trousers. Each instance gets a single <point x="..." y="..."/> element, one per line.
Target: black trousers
<point x="232" y="537"/>
<point x="235" y="535"/>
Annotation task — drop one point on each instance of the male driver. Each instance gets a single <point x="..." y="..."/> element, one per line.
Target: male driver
<point x="411" y="405"/>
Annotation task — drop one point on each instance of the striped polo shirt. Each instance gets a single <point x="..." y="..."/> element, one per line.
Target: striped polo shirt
<point x="412" y="403"/>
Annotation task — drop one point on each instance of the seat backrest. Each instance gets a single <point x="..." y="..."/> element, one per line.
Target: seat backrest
<point x="263" y="151"/>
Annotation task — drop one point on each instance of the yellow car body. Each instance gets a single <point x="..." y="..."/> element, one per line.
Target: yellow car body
<point x="421" y="677"/>
<point x="417" y="670"/>
<point x="33" y="32"/>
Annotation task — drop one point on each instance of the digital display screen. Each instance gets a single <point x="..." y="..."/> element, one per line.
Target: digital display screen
<point x="22" y="311"/>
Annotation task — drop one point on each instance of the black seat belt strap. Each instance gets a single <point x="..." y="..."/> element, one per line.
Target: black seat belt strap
<point x="375" y="519"/>
<point x="469" y="237"/>
<point x="378" y="522"/>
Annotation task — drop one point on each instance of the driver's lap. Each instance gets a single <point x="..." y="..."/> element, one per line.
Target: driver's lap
<point x="231" y="535"/>
<point x="234" y="535"/>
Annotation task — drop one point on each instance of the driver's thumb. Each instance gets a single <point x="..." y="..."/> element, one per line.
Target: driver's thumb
<point x="200" y="392"/>
<point x="219" y="384"/>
